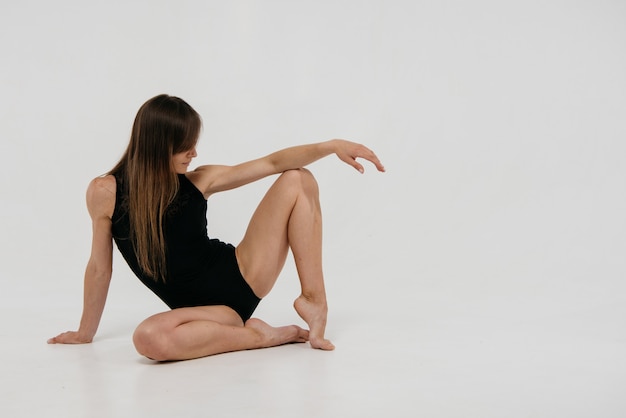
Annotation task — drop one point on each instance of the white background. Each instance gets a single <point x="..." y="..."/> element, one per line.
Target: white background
<point x="482" y="275"/>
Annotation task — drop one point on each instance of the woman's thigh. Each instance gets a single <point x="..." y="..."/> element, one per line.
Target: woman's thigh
<point x="262" y="252"/>
<point x="171" y="319"/>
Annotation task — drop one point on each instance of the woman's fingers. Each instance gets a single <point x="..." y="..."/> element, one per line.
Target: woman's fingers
<point x="353" y="151"/>
<point x="69" y="337"/>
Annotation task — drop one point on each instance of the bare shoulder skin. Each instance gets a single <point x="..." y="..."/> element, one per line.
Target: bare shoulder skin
<point x="101" y="196"/>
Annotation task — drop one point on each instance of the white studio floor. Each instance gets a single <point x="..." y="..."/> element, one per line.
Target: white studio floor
<point x="437" y="353"/>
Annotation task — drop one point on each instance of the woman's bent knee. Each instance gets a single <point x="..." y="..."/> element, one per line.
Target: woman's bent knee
<point x="151" y="342"/>
<point x="301" y="178"/>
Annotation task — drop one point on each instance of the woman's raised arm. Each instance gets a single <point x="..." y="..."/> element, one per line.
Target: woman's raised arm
<point x="213" y="178"/>
<point x="100" y="203"/>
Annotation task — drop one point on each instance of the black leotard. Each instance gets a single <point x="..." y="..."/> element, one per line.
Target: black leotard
<point x="200" y="271"/>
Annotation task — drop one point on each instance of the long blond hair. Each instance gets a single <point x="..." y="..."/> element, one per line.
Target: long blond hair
<point x="164" y="125"/>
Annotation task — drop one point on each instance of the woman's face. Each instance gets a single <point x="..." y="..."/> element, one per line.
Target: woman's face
<point x="181" y="160"/>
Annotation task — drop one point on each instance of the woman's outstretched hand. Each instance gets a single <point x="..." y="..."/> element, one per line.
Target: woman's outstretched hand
<point x="70" y="337"/>
<point x="348" y="152"/>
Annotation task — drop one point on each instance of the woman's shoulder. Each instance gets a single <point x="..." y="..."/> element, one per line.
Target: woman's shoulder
<point x="101" y="195"/>
<point x="104" y="184"/>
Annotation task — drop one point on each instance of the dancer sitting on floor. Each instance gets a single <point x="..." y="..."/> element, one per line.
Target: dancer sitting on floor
<point x="155" y="211"/>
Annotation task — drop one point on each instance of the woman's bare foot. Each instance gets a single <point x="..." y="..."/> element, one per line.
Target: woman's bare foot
<point x="273" y="336"/>
<point x="314" y="314"/>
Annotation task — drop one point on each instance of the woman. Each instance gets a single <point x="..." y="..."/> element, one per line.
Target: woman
<point x="155" y="211"/>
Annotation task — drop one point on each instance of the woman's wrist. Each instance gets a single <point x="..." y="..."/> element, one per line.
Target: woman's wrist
<point x="85" y="336"/>
<point x="333" y="145"/>
<point x="86" y="332"/>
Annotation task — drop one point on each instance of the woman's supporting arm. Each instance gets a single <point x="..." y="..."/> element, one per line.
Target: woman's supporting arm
<point x="100" y="203"/>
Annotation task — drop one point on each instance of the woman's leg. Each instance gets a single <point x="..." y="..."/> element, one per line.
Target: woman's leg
<point x="187" y="333"/>
<point x="289" y="216"/>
